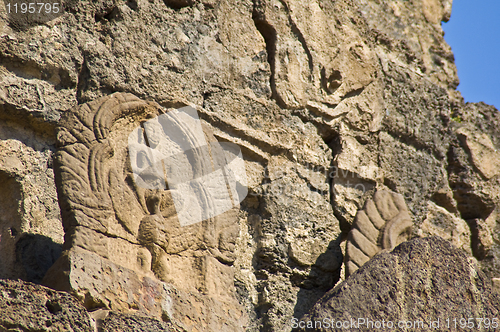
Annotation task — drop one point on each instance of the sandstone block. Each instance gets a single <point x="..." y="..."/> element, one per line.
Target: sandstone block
<point x="28" y="307"/>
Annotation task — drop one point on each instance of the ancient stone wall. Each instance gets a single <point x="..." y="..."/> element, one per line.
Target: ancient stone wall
<point x="333" y="104"/>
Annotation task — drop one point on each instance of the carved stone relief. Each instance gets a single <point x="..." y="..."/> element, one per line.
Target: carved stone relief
<point x="107" y="212"/>
<point x="382" y="224"/>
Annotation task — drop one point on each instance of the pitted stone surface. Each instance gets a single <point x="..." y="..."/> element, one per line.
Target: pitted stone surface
<point x="330" y="101"/>
<point x="28" y="307"/>
<point x="422" y="280"/>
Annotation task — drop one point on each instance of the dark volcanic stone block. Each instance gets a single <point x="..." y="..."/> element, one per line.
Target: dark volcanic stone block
<point x="422" y="280"/>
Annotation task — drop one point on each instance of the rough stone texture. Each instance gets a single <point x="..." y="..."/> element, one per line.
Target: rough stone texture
<point x="330" y="102"/>
<point x="29" y="307"/>
<point x="211" y="55"/>
<point x="382" y="224"/>
<point x="418" y="46"/>
<point x="122" y="240"/>
<point x="420" y="280"/>
<point x="133" y="323"/>
<point x="407" y="140"/>
<point x="101" y="284"/>
<point x="31" y="232"/>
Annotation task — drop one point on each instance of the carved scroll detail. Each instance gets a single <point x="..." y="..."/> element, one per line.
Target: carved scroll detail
<point x="126" y="237"/>
<point x="383" y="223"/>
<point x="83" y="171"/>
<point x="105" y="210"/>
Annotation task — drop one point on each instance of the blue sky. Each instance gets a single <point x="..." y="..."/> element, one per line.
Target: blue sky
<point x="473" y="33"/>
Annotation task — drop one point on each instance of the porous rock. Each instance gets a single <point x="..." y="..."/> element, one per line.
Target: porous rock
<point x="423" y="280"/>
<point x="134" y="323"/>
<point x="125" y="245"/>
<point x="28" y="307"/>
<point x="382" y="224"/>
<point x="330" y="102"/>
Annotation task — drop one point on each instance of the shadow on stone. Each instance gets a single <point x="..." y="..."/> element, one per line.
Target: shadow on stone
<point x="36" y="254"/>
<point x="324" y="274"/>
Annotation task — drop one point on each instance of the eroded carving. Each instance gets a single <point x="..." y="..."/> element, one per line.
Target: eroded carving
<point x="383" y="223"/>
<point x="105" y="211"/>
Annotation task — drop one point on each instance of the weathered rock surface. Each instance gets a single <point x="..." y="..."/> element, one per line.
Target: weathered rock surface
<point x="330" y="102"/>
<point x="125" y="243"/>
<point x="100" y="284"/>
<point x="382" y="224"/>
<point x="30" y="307"/>
<point x="423" y="280"/>
<point x="134" y="323"/>
<point x="31" y="233"/>
<point x="474" y="178"/>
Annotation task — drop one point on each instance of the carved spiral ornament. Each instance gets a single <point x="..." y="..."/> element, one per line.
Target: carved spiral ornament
<point x="382" y="224"/>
